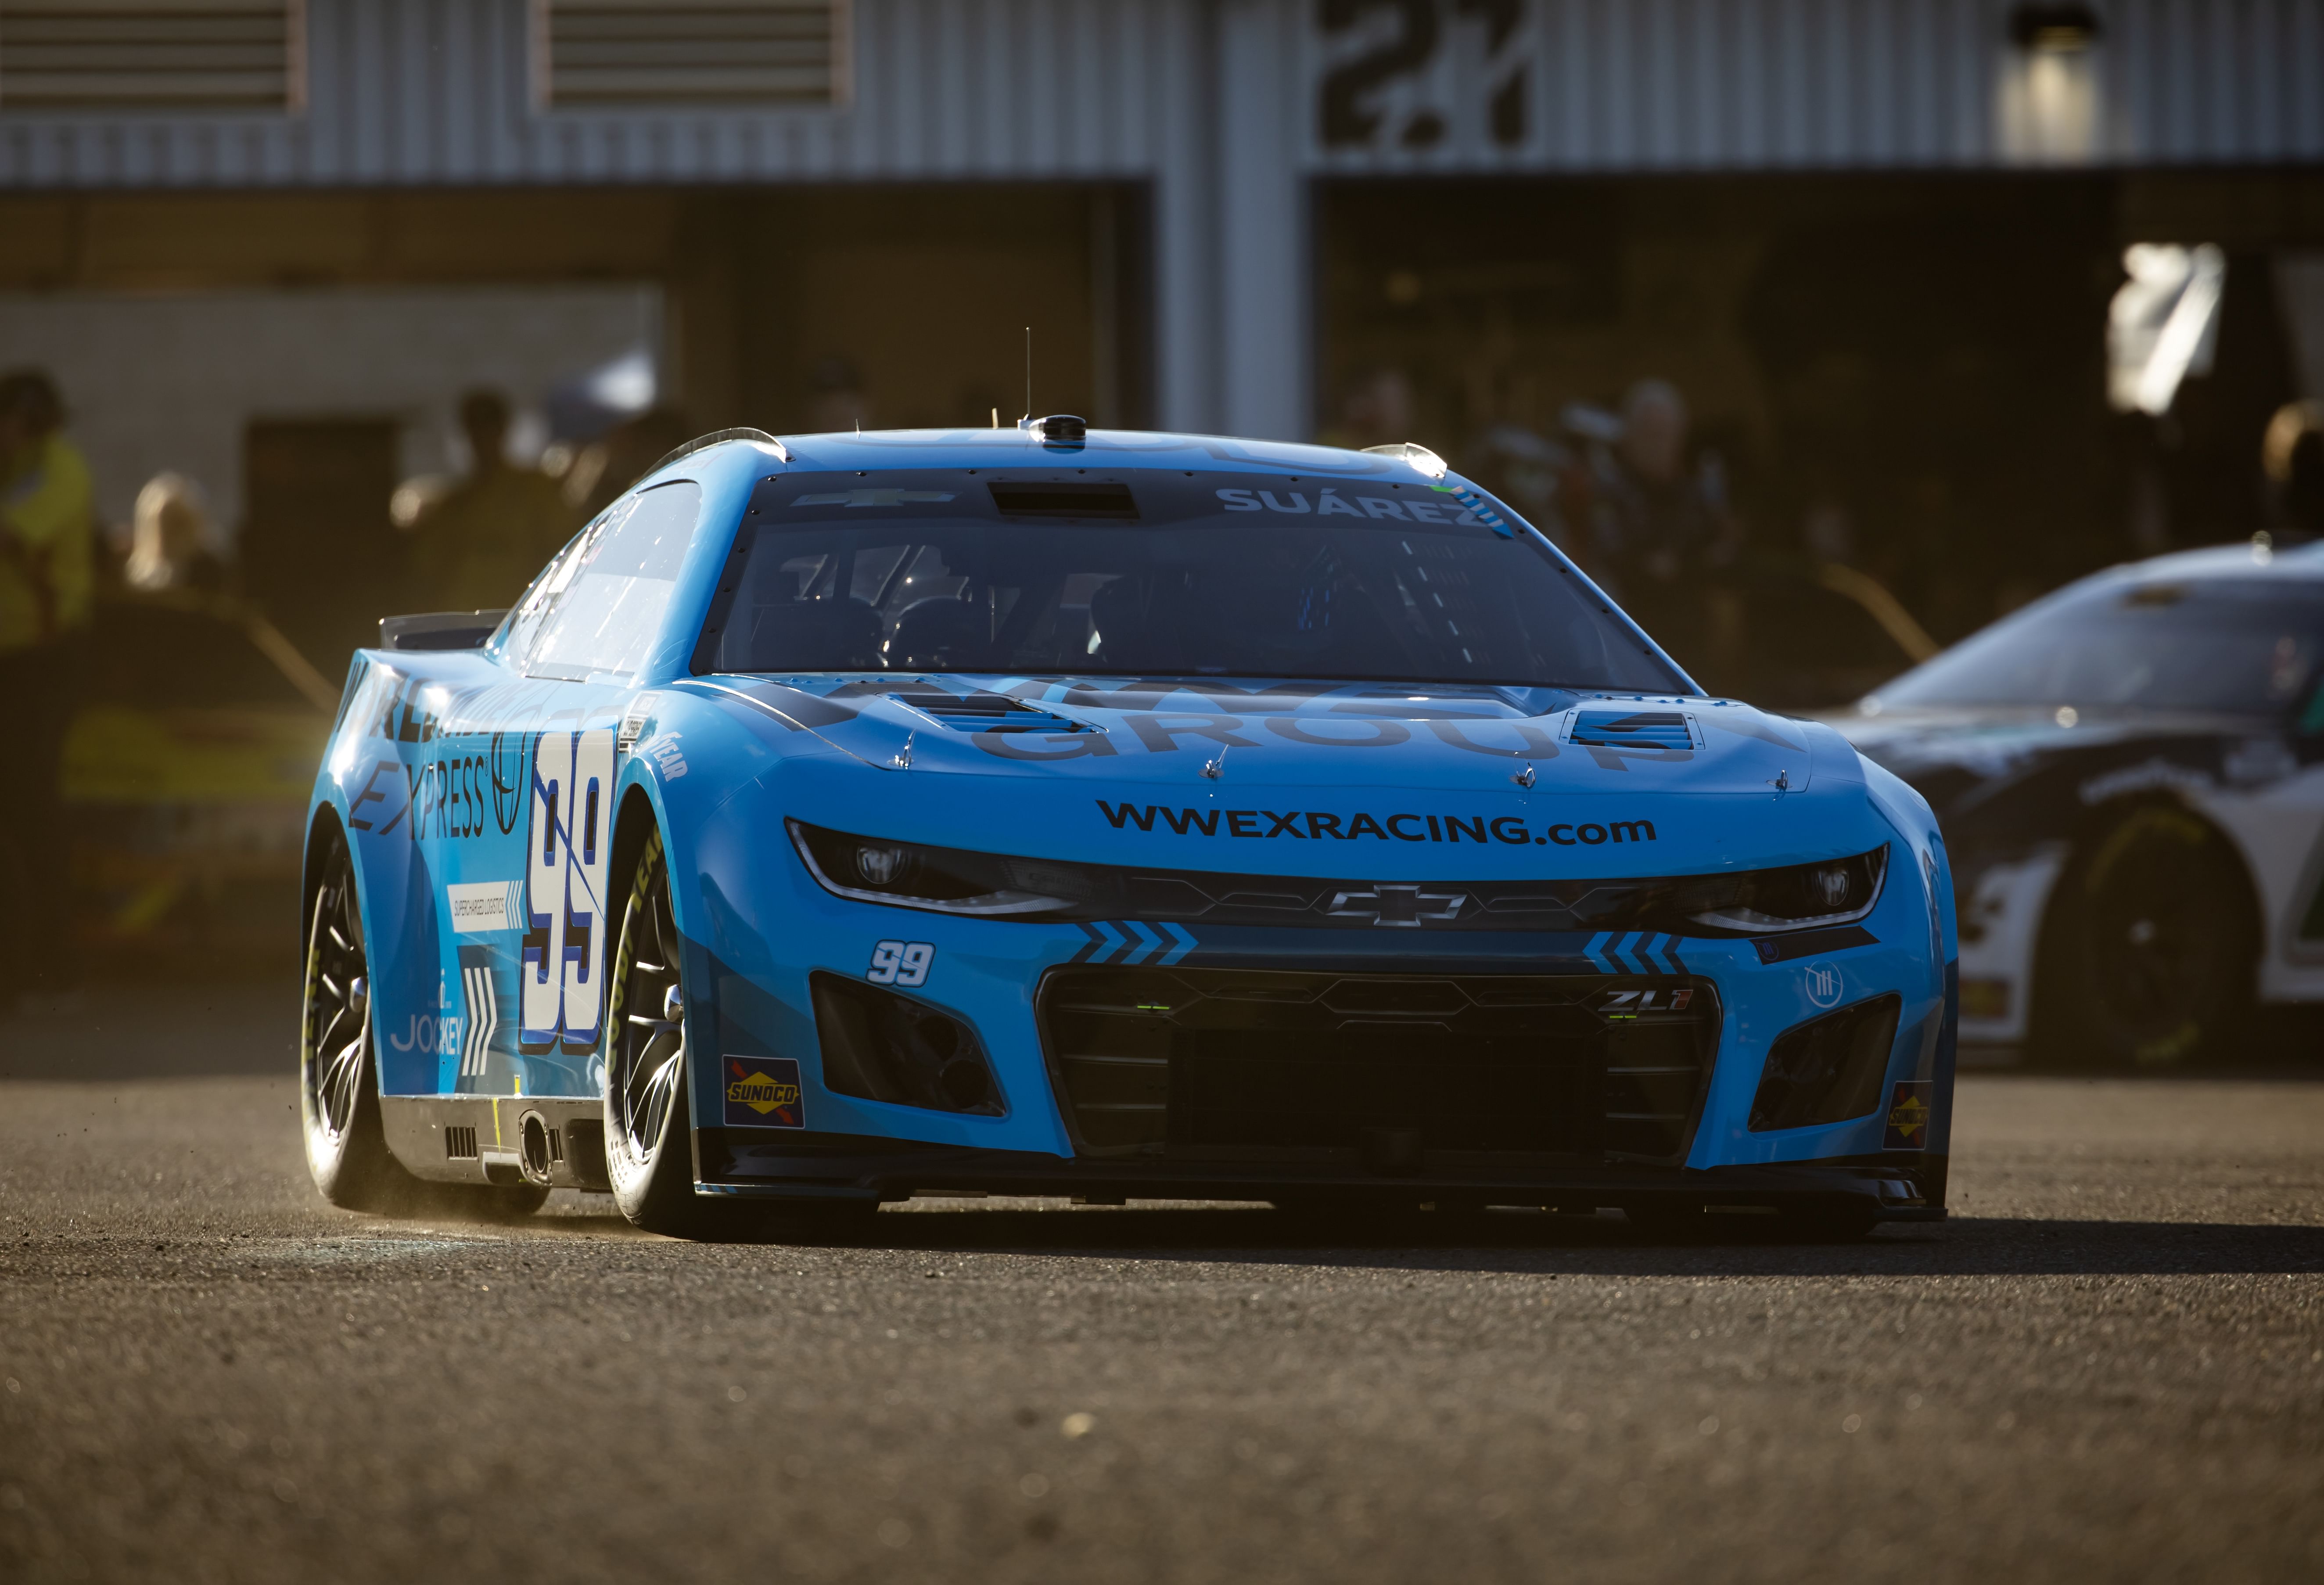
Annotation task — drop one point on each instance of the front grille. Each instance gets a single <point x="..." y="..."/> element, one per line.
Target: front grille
<point x="1243" y="1063"/>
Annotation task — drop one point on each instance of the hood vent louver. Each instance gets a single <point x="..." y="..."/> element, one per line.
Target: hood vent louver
<point x="1632" y="729"/>
<point x="986" y="712"/>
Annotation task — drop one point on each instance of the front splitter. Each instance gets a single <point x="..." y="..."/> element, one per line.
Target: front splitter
<point x="860" y="1167"/>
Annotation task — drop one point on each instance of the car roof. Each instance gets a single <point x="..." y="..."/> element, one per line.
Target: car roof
<point x="2245" y="560"/>
<point x="1112" y="449"/>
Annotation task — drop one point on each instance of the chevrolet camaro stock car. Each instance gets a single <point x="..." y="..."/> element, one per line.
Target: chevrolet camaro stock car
<point x="2132" y="774"/>
<point x="1043" y="811"/>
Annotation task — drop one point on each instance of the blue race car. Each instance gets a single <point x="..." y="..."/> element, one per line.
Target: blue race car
<point x="1043" y="811"/>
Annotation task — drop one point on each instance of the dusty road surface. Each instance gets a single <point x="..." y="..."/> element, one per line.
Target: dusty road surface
<point x="2109" y="1365"/>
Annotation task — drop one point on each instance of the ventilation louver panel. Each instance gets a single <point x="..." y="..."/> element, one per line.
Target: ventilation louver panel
<point x="1266" y="1064"/>
<point x="619" y="53"/>
<point x="159" y="55"/>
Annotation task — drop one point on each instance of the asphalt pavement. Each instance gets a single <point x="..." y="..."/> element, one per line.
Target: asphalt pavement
<point x="2110" y="1365"/>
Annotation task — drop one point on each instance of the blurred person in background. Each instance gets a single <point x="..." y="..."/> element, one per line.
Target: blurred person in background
<point x="836" y="401"/>
<point x="2303" y="486"/>
<point x="1659" y="518"/>
<point x="2292" y="457"/>
<point x="1377" y="408"/>
<point x="1663" y="529"/>
<point x="598" y="472"/>
<point x="169" y="540"/>
<point x="477" y="547"/>
<point x="1537" y="475"/>
<point x="48" y="575"/>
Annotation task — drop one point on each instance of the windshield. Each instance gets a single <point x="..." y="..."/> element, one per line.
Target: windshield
<point x="1040" y="572"/>
<point x="2243" y="646"/>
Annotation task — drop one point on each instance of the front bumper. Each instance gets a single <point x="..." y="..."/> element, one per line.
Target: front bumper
<point x="1694" y="1145"/>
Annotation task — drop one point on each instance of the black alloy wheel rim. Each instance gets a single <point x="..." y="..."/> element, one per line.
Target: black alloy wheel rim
<point x="649" y="1050"/>
<point x="338" y="1007"/>
<point x="2156" y="935"/>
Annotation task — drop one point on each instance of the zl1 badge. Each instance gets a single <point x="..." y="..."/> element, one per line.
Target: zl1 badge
<point x="1908" y="1115"/>
<point x="763" y="1093"/>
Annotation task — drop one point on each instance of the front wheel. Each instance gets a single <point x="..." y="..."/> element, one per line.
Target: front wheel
<point x="649" y="1145"/>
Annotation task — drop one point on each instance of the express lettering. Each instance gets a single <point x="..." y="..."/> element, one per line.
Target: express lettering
<point x="448" y="797"/>
<point x="371" y="794"/>
<point x="567" y="848"/>
<point x="1317" y="825"/>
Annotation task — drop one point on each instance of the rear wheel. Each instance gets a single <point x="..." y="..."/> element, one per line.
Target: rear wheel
<point x="338" y="1083"/>
<point x="2150" y="950"/>
<point x="338" y="1095"/>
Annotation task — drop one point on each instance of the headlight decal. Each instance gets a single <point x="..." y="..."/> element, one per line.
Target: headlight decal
<point x="944" y="880"/>
<point x="1797" y="897"/>
<point x="1641" y="918"/>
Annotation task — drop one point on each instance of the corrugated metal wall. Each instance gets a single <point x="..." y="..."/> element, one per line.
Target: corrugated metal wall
<point x="1226" y="106"/>
<point x="1627" y="85"/>
<point x="436" y="91"/>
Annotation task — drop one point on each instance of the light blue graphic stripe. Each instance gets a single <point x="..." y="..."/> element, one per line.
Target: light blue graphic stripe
<point x="1144" y="942"/>
<point x="1670" y="954"/>
<point x="1184" y="941"/>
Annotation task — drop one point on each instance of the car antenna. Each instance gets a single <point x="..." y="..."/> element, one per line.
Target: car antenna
<point x="1029" y="371"/>
<point x="996" y="418"/>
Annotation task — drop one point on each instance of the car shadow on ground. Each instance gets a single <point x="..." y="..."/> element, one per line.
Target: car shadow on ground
<point x="1519" y="1241"/>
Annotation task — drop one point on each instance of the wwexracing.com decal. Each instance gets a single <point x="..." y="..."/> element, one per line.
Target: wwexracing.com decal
<point x="1312" y="826"/>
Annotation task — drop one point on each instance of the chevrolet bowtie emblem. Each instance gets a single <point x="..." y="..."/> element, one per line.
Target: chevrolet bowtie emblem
<point x="1408" y="906"/>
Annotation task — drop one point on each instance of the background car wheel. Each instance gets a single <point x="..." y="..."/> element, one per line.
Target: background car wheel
<point x="2150" y="952"/>
<point x="648" y="1148"/>
<point x="338" y="1086"/>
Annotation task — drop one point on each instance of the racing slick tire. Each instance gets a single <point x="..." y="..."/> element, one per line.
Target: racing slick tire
<point x="338" y="1081"/>
<point x="649" y="1143"/>
<point x="2150" y="952"/>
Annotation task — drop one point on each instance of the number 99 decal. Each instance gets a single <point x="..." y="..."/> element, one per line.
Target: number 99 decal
<point x="900" y="962"/>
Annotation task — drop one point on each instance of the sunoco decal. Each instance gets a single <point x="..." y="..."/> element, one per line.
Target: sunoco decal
<point x="1908" y="1114"/>
<point x="763" y="1093"/>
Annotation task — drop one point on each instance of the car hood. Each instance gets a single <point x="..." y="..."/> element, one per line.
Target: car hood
<point x="1085" y="763"/>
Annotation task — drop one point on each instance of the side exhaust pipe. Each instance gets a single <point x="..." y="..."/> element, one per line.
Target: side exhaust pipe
<point x="538" y="1149"/>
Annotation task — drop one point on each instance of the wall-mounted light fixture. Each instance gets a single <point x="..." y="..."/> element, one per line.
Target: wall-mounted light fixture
<point x="2060" y="29"/>
<point x="2049" y="91"/>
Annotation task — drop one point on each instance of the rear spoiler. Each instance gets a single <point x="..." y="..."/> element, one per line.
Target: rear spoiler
<point x="440" y="630"/>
